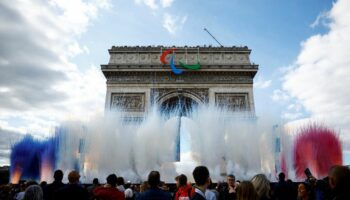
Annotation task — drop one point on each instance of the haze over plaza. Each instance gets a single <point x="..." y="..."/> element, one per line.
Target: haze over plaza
<point x="51" y="52"/>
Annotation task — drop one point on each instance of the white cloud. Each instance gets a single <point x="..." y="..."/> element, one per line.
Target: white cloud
<point x="279" y="95"/>
<point x="74" y="49"/>
<point x="285" y="69"/>
<point x="155" y="4"/>
<point x="291" y="116"/>
<point x="320" y="19"/>
<point x="8" y="138"/>
<point x="39" y="84"/>
<point x="173" y="23"/>
<point x="166" y="3"/>
<point x="150" y="3"/>
<point x="320" y="79"/>
<point x="295" y="106"/>
<point x="262" y="84"/>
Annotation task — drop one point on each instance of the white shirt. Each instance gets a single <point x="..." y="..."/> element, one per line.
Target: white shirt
<point x="128" y="193"/>
<point x="121" y="188"/>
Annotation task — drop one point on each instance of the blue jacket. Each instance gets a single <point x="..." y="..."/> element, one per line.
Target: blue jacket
<point x="154" y="194"/>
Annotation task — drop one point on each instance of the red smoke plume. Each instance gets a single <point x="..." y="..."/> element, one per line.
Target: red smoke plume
<point x="317" y="148"/>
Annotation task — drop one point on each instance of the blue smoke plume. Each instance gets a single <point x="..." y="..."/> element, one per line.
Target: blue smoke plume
<point x="28" y="155"/>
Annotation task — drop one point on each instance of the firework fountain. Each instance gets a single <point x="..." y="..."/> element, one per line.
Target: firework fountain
<point x="225" y="142"/>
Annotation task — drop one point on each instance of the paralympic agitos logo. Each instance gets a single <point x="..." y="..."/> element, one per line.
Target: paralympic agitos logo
<point x="172" y="62"/>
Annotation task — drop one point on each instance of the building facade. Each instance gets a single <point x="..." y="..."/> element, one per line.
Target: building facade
<point x="137" y="78"/>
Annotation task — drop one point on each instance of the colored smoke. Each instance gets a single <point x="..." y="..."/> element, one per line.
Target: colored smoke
<point x="33" y="159"/>
<point x="225" y="142"/>
<point x="317" y="148"/>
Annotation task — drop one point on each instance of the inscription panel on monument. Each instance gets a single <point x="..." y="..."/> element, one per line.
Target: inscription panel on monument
<point x="232" y="101"/>
<point x="128" y="102"/>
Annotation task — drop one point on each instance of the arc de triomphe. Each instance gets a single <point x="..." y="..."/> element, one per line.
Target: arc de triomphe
<point x="136" y="78"/>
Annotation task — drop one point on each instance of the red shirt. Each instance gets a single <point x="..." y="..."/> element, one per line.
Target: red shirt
<point x="184" y="191"/>
<point x="108" y="193"/>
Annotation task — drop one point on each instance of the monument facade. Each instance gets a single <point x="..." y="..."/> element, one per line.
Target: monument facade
<point x="137" y="79"/>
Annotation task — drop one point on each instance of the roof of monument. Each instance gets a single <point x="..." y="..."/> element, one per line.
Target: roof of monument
<point x="190" y="48"/>
<point x="147" y="58"/>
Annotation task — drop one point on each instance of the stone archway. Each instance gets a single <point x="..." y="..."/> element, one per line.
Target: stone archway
<point x="180" y="103"/>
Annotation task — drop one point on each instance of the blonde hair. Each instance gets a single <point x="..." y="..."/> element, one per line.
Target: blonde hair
<point x="261" y="185"/>
<point x="246" y="191"/>
<point x="144" y="186"/>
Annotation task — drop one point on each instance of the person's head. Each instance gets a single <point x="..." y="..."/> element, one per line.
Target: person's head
<point x="43" y="184"/>
<point x="177" y="181"/>
<point x="58" y="175"/>
<point x="182" y="180"/>
<point x="246" y="191"/>
<point x="231" y="179"/>
<point x="281" y="176"/>
<point x="112" y="180"/>
<point x="201" y="176"/>
<point x="303" y="190"/>
<point x="261" y="185"/>
<point x="95" y="181"/>
<point x="339" y="177"/>
<point x="154" y="178"/>
<point x="33" y="192"/>
<point x="120" y="181"/>
<point x="73" y="177"/>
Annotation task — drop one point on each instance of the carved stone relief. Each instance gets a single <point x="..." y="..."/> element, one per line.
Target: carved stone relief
<point x="232" y="101"/>
<point x="129" y="102"/>
<point x="218" y="58"/>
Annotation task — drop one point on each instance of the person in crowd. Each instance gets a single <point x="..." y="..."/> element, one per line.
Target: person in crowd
<point x="24" y="186"/>
<point x="246" y="191"/>
<point x="283" y="190"/>
<point x="228" y="191"/>
<point x="304" y="192"/>
<point x="90" y="189"/>
<point x="120" y="184"/>
<point x="144" y="186"/>
<point x="210" y="192"/>
<point x="163" y="186"/>
<point x="20" y="194"/>
<point x="43" y="184"/>
<point x="57" y="184"/>
<point x="73" y="190"/>
<point x="129" y="192"/>
<point x="5" y="192"/>
<point x="183" y="188"/>
<point x="318" y="188"/>
<point x="339" y="182"/>
<point x="293" y="188"/>
<point x="136" y="190"/>
<point x="154" y="192"/>
<point x="202" y="179"/>
<point x="262" y="186"/>
<point x="33" y="192"/>
<point x="109" y="191"/>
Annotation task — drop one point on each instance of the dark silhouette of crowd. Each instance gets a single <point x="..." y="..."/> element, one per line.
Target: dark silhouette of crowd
<point x="334" y="187"/>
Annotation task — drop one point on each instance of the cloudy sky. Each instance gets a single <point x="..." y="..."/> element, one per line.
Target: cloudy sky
<point x="51" y="51"/>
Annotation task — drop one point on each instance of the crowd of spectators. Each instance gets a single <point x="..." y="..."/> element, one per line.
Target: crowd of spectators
<point x="336" y="186"/>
